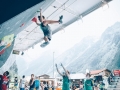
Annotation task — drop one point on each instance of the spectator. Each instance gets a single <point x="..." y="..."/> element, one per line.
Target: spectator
<point x="32" y="82"/>
<point x="37" y="83"/>
<point x="88" y="84"/>
<point x="81" y="86"/>
<point x="96" y="85"/>
<point x="65" y="75"/>
<point x="4" y="80"/>
<point x="102" y="86"/>
<point x="22" y="83"/>
<point x="16" y="83"/>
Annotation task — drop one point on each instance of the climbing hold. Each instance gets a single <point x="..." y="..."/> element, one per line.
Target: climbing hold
<point x="54" y="6"/>
<point x="34" y="19"/>
<point x="22" y="25"/>
<point x="38" y="10"/>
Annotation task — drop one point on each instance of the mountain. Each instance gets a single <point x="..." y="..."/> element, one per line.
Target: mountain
<point x="103" y="54"/>
<point x="44" y="64"/>
<point x="87" y="54"/>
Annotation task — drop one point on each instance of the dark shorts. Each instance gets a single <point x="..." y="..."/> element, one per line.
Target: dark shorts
<point x="47" y="31"/>
<point x="48" y="34"/>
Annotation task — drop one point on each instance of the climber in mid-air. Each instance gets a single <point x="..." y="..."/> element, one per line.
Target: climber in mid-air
<point x="44" y="25"/>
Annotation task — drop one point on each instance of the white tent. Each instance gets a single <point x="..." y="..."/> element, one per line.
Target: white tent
<point x="77" y="76"/>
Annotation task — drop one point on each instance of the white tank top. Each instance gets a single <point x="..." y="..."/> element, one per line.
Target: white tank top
<point x="22" y="83"/>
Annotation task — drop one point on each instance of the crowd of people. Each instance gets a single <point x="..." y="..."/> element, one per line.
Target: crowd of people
<point x="22" y="84"/>
<point x="35" y="84"/>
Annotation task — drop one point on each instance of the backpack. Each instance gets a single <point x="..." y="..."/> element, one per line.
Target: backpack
<point x="37" y="83"/>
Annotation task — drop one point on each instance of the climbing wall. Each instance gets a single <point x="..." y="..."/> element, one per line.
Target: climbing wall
<point x="15" y="17"/>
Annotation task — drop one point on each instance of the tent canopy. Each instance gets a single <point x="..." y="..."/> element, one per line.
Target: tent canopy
<point x="77" y="76"/>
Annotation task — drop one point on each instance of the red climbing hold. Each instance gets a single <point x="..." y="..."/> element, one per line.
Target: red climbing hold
<point x="22" y="25"/>
<point x="2" y="51"/>
<point x="34" y="19"/>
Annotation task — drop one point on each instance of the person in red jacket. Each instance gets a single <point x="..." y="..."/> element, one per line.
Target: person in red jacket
<point x="4" y="81"/>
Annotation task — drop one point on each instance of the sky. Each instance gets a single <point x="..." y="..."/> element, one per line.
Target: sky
<point x="93" y="25"/>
